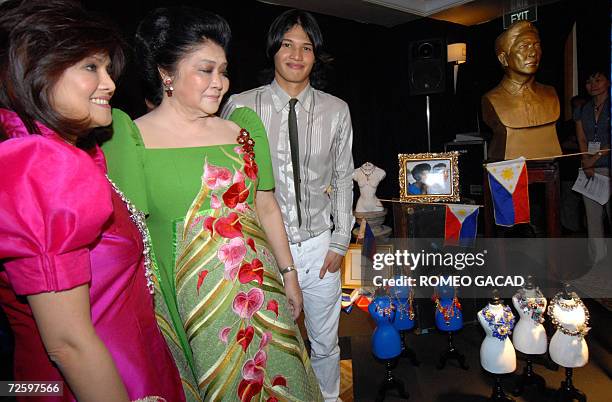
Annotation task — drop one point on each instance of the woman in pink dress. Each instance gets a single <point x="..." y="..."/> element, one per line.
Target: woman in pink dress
<point x="75" y="275"/>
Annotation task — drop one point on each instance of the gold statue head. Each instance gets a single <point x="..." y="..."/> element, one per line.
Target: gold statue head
<point x="518" y="49"/>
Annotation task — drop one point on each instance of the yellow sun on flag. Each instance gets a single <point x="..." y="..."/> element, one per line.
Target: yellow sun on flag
<point x="461" y="212"/>
<point x="507" y="174"/>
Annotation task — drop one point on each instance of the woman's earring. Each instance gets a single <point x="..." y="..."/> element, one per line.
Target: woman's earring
<point x="168" y="87"/>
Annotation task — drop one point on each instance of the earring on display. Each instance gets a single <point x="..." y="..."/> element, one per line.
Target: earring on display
<point x="168" y="87"/>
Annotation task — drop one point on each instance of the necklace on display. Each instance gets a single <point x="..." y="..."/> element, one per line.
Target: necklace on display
<point x="536" y="306"/>
<point x="405" y="309"/>
<point x="501" y="326"/>
<point x="138" y="217"/>
<point x="582" y="329"/>
<point x="385" y="311"/>
<point x="449" y="311"/>
<point x="575" y="301"/>
<point x="367" y="169"/>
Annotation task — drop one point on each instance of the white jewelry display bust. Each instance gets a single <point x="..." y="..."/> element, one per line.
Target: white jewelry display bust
<point x="569" y="350"/>
<point x="368" y="176"/>
<point x="529" y="336"/>
<point x="496" y="356"/>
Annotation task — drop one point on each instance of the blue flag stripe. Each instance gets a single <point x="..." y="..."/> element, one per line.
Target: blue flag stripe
<point x="502" y="202"/>
<point x="469" y="229"/>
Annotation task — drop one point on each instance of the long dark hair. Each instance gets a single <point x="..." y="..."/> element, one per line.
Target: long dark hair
<point x="166" y="35"/>
<point x="284" y="23"/>
<point x="39" y="40"/>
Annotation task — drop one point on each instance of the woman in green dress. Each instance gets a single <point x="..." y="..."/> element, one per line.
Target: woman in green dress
<point x="229" y="293"/>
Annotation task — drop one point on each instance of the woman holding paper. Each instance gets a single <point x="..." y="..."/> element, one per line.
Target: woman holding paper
<point x="593" y="134"/>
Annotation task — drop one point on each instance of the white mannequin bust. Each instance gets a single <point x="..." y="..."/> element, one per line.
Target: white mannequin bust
<point x="529" y="335"/>
<point x="497" y="355"/>
<point x="367" y="177"/>
<point x="567" y="346"/>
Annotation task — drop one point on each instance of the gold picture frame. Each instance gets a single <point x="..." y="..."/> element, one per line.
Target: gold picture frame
<point x="429" y="177"/>
<point x="352" y="274"/>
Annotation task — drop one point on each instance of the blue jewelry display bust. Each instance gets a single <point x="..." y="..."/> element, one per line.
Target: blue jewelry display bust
<point x="449" y="320"/>
<point x="386" y="341"/>
<point x="404" y="313"/>
<point x="448" y="314"/>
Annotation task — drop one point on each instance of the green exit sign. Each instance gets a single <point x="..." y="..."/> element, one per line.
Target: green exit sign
<point x="527" y="14"/>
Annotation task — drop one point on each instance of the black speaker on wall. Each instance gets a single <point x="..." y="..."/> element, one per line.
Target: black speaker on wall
<point x="427" y="67"/>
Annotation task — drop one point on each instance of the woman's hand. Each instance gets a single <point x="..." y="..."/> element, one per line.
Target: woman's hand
<point x="293" y="293"/>
<point x="588" y="164"/>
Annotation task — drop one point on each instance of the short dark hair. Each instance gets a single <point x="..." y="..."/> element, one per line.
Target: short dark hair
<point x="284" y="23"/>
<point x="418" y="170"/>
<point x="39" y="40"/>
<point x="592" y="72"/>
<point x="166" y="35"/>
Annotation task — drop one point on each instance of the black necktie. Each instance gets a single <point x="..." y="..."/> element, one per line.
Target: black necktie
<point x="295" y="155"/>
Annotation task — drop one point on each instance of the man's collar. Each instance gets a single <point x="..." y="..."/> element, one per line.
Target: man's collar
<point x="280" y="98"/>
<point x="515" y="88"/>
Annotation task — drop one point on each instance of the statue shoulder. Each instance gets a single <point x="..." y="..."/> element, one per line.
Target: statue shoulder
<point x="494" y="93"/>
<point x="496" y="98"/>
<point x="547" y="93"/>
<point x="490" y="104"/>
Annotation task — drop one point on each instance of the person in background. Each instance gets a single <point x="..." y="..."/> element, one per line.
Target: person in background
<point x="230" y="292"/>
<point x="593" y="134"/>
<point x="419" y="173"/>
<point x="438" y="181"/>
<point x="310" y="135"/>
<point x="73" y="281"/>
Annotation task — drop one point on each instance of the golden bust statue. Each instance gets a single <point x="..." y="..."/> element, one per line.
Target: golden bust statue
<point x="521" y="112"/>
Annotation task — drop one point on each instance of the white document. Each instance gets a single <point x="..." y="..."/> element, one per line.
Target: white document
<point x="596" y="188"/>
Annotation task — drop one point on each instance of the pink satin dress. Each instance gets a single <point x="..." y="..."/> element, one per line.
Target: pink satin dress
<point x="62" y="226"/>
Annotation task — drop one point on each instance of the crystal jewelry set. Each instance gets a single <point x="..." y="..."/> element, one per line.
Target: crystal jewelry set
<point x="501" y="325"/>
<point x="385" y="311"/>
<point x="558" y="300"/>
<point x="405" y="309"/>
<point x="449" y="311"/>
<point x="536" y="306"/>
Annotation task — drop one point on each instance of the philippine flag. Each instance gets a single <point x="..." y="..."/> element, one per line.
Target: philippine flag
<point x="509" y="191"/>
<point x="461" y="225"/>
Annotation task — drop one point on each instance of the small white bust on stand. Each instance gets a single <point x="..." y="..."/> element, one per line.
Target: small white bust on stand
<point x="571" y="318"/>
<point x="368" y="177"/>
<point x="529" y="335"/>
<point x="497" y="354"/>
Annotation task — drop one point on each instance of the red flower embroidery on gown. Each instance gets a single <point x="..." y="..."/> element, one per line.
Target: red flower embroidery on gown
<point x="257" y="327"/>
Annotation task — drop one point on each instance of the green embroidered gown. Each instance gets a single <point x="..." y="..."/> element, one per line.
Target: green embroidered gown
<point x="220" y="301"/>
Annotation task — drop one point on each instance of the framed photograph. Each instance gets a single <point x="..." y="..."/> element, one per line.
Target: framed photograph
<point x="354" y="276"/>
<point x="429" y="177"/>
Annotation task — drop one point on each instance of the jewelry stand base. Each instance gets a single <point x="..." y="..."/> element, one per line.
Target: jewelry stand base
<point x="528" y="378"/>
<point x="390" y="382"/>
<point x="408" y="353"/>
<point x="451" y="353"/>
<point x="567" y="392"/>
<point x="498" y="392"/>
<point x="375" y="219"/>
